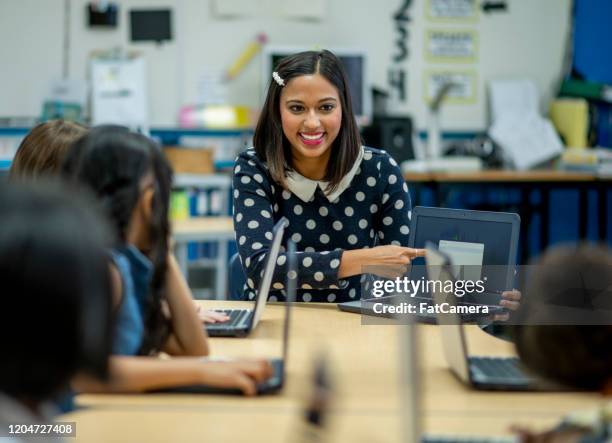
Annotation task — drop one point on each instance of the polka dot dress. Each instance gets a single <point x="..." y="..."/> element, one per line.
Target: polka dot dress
<point x="373" y="210"/>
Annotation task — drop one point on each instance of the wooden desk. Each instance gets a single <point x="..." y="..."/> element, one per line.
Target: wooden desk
<point x="543" y="181"/>
<point x="365" y="368"/>
<point x="205" y="229"/>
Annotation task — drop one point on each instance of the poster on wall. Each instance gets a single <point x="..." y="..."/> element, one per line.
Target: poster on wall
<point x="463" y="90"/>
<point x="453" y="10"/>
<point x="451" y="46"/>
<point x="119" y="92"/>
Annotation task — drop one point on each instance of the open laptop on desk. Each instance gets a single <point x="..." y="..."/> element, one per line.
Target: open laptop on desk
<point x="243" y="321"/>
<point x="479" y="240"/>
<point x="279" y="365"/>
<point x="411" y="387"/>
<point x="486" y="373"/>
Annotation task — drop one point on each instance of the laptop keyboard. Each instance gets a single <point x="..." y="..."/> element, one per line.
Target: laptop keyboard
<point x="505" y="368"/>
<point x="236" y="316"/>
<point x="466" y="439"/>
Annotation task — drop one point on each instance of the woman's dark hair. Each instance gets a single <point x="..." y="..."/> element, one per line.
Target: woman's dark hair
<point x="270" y="142"/>
<point x="55" y="319"/>
<point x="41" y="152"/>
<point x="564" y="329"/>
<point x="113" y="162"/>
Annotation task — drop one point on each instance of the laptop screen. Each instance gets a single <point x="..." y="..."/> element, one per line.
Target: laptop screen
<point x="485" y="241"/>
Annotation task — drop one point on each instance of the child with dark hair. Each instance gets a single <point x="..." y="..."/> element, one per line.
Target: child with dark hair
<point x="347" y="205"/>
<point x="564" y="331"/>
<point x="131" y="178"/>
<point x="56" y="272"/>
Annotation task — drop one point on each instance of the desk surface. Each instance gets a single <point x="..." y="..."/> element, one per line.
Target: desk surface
<point x="365" y="368"/>
<point x="492" y="176"/>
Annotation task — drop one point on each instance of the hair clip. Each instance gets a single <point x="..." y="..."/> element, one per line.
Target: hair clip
<point x="277" y="78"/>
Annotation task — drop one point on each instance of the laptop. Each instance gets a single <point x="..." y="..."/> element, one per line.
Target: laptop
<point x="412" y="411"/>
<point x="242" y="321"/>
<point x="276" y="382"/>
<point x="486" y="373"/>
<point x="480" y="239"/>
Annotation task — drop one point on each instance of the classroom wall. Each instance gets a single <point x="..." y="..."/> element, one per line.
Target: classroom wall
<point x="527" y="41"/>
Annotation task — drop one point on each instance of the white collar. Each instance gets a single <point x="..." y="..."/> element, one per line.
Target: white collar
<point x="304" y="188"/>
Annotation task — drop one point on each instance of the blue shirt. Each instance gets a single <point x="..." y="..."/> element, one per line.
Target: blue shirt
<point x="136" y="272"/>
<point x="372" y="209"/>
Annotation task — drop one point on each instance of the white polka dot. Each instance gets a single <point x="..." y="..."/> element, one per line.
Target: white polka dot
<point x="381" y="235"/>
<point x="399" y="204"/>
<point x="334" y="263"/>
<point x="352" y="239"/>
<point x="268" y="236"/>
<point x="404" y="229"/>
<point x="324" y="238"/>
<point x="278" y="285"/>
<point x="260" y="192"/>
<point x="280" y="261"/>
<point x="292" y="275"/>
<point x="309" y="249"/>
<point x="336" y="200"/>
<point x="373" y="209"/>
<point x="387" y="221"/>
<point x="331" y="297"/>
<point x="297" y="237"/>
<point x="275" y="207"/>
<point x="237" y="169"/>
<point x="405" y="187"/>
<point x="258" y="178"/>
<point x="297" y="209"/>
<point x="337" y="225"/>
<point x="396" y="243"/>
<point x="385" y="197"/>
<point x="319" y="276"/>
<point x="247" y="262"/>
<point x="352" y="293"/>
<point x="250" y="152"/>
<point x="310" y="224"/>
<point x="393" y="162"/>
<point x="236" y="193"/>
<point x="261" y="257"/>
<point x="239" y="217"/>
<point x="249" y="202"/>
<point x="242" y="240"/>
<point x="306" y="297"/>
<point x="286" y="195"/>
<point x="265" y="214"/>
<point x="360" y="196"/>
<point x="251" y="162"/>
<point x="409" y="214"/>
<point x="371" y="233"/>
<point x="257" y="246"/>
<point x="323" y="211"/>
<point x="324" y="252"/>
<point x="253" y="224"/>
<point x="272" y="298"/>
<point x="349" y="211"/>
<point x="371" y="181"/>
<point x="363" y="223"/>
<point x="392" y="179"/>
<point x="367" y="155"/>
<point x="307" y="262"/>
<point x="251" y="283"/>
<point x="245" y="179"/>
<point x="334" y="286"/>
<point x="306" y="286"/>
<point x="378" y="166"/>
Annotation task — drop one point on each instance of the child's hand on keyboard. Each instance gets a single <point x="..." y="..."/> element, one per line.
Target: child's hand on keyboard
<point x="208" y="316"/>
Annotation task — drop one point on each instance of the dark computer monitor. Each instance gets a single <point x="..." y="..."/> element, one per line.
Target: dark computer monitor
<point x="151" y="25"/>
<point x="355" y="66"/>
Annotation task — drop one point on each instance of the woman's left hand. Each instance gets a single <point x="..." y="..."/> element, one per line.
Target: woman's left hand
<point x="511" y="300"/>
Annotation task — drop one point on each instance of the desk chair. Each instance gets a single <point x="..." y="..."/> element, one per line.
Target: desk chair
<point x="237" y="278"/>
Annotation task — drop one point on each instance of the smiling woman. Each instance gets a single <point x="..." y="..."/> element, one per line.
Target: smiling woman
<point x="347" y="205"/>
